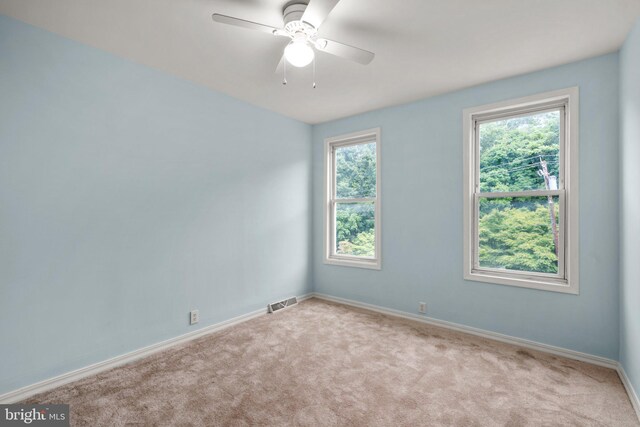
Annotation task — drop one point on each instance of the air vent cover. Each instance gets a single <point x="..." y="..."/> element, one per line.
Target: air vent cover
<point x="276" y="306"/>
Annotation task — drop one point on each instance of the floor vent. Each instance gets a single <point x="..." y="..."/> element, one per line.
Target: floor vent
<point x="277" y="306"/>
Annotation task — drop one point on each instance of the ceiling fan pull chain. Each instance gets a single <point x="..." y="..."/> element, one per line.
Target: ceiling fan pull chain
<point x="284" y="72"/>
<point x="314" y="72"/>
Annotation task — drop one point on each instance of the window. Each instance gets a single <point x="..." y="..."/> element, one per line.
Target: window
<point x="521" y="192"/>
<point x="352" y="200"/>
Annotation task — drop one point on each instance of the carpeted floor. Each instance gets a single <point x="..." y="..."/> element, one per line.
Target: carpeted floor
<point x="321" y="363"/>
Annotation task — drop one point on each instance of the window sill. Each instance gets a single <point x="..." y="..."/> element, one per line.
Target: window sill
<point x="371" y="264"/>
<point x="544" y="284"/>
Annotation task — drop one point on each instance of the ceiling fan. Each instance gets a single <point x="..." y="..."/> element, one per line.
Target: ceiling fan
<point x="301" y="23"/>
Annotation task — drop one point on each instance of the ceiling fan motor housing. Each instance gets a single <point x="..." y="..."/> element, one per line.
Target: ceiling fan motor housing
<point x="293" y="12"/>
<point x="293" y="24"/>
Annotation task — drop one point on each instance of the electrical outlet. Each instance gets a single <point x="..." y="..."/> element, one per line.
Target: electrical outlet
<point x="422" y="307"/>
<point x="195" y="317"/>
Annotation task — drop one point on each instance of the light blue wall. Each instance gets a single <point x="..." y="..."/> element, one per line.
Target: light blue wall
<point x="129" y="197"/>
<point x="630" y="207"/>
<point x="422" y="216"/>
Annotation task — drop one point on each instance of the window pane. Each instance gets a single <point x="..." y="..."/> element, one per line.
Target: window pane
<point x="355" y="229"/>
<point x="519" y="233"/>
<point x="520" y="153"/>
<point x="356" y="171"/>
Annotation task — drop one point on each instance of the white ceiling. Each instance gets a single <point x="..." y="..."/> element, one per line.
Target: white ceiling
<point x="423" y="47"/>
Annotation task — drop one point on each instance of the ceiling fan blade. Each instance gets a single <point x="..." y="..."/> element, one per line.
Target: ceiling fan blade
<point x="317" y="11"/>
<point x="224" y="19"/>
<point x="345" y="51"/>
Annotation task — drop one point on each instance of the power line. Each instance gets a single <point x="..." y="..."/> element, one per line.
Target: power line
<point x="536" y="164"/>
<point x="518" y="160"/>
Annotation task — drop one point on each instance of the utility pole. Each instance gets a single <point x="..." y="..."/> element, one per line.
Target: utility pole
<point x="548" y="183"/>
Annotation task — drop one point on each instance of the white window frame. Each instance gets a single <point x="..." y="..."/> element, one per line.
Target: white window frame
<point x="330" y="256"/>
<point x="566" y="281"/>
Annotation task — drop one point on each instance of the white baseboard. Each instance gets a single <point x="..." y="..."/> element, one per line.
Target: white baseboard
<point x="533" y="345"/>
<point x="57" y="381"/>
<point x="633" y="396"/>
<point x="42" y="386"/>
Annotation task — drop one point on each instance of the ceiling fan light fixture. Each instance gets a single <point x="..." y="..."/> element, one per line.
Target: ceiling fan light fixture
<point x="298" y="53"/>
<point x="302" y="18"/>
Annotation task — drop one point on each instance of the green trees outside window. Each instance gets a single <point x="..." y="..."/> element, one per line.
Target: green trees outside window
<point x="515" y="233"/>
<point x="520" y="154"/>
<point x="355" y="179"/>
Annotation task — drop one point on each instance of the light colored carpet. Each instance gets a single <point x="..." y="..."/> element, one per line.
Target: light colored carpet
<point x="321" y="363"/>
